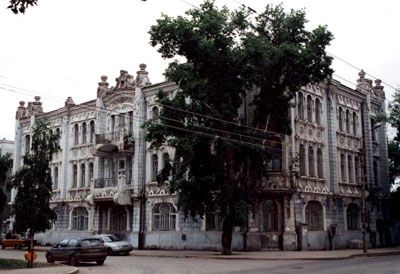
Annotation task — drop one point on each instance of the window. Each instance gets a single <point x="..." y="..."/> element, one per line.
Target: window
<point x="90" y="172"/>
<point x="83" y="175"/>
<point x="311" y="162"/>
<point x="350" y="167"/>
<point x="342" y="167"/>
<point x="76" y="134"/>
<point x="84" y="133"/>
<point x="80" y="219"/>
<point x="355" y="123"/>
<point x="164" y="217"/>
<point x="340" y="119"/>
<point x="155" y="113"/>
<point x="91" y="137"/>
<point x="73" y="242"/>
<point x="118" y="218"/>
<point x="352" y="215"/>
<point x="273" y="155"/>
<point x="58" y="133"/>
<point x="309" y="109"/>
<point x="348" y="121"/>
<point x="113" y="127"/>
<point x="27" y="144"/>
<point x="314" y="216"/>
<point x="320" y="163"/>
<point x="300" y="106"/>
<point x="121" y="120"/>
<point x="302" y="160"/>
<point x="270" y="216"/>
<point x="376" y="172"/>
<point x="129" y="168"/>
<point x="213" y="221"/>
<point x="373" y="130"/>
<point x="357" y="169"/>
<point x="154" y="167"/>
<point x="74" y="175"/>
<point x="165" y="158"/>
<point x="55" y="179"/>
<point x="130" y="121"/>
<point x="317" y="111"/>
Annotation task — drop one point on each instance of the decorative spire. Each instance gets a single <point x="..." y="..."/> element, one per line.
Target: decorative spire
<point x="142" y="78"/>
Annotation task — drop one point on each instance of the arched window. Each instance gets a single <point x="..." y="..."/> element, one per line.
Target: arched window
<point x="74" y="175"/>
<point x="83" y="175"/>
<point x="348" y="121"/>
<point x="154" y="167"/>
<point x="90" y="172"/>
<point x="55" y="178"/>
<point x="353" y="217"/>
<point x="311" y="162"/>
<point x="76" y="134"/>
<point x="320" y="163"/>
<point x="317" y="111"/>
<point x="118" y="218"/>
<point x="341" y="119"/>
<point x="355" y="123"/>
<point x="302" y="160"/>
<point x="314" y="216"/>
<point x="155" y="113"/>
<point x="300" y="106"/>
<point x="309" y="109"/>
<point x="164" y="217"/>
<point x="27" y="144"/>
<point x="84" y="133"/>
<point x="91" y="138"/>
<point x="270" y="216"/>
<point x="80" y="219"/>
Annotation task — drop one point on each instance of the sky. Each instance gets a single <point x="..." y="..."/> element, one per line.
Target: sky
<point x="60" y="48"/>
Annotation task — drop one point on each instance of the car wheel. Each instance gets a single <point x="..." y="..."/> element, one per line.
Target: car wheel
<point x="110" y="251"/>
<point x="126" y="253"/>
<point x="73" y="260"/>
<point x="100" y="262"/>
<point x="3" y="247"/>
<point x="50" y="258"/>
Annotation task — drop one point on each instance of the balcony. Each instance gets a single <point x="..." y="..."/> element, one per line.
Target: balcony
<point x="105" y="182"/>
<point x="114" y="142"/>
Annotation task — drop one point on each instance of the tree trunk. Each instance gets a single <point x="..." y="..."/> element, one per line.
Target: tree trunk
<point x="227" y="231"/>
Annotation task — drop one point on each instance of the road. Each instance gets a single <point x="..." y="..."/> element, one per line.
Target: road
<point x="131" y="264"/>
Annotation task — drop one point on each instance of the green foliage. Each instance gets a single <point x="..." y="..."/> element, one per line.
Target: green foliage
<point x="33" y="181"/>
<point x="230" y="55"/>
<point x="394" y="160"/>
<point x="5" y="169"/>
<point x="19" y="6"/>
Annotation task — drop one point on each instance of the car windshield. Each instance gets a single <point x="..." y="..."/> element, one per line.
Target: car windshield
<point x="111" y="238"/>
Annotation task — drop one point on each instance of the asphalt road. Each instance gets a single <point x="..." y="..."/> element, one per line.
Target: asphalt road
<point x="131" y="264"/>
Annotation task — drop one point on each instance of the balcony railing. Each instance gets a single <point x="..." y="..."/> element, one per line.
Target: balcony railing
<point x="105" y="182"/>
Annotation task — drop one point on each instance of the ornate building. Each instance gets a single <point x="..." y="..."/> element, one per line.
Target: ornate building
<point x="105" y="174"/>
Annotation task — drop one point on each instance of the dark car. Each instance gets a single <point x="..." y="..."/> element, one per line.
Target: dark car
<point x="78" y="250"/>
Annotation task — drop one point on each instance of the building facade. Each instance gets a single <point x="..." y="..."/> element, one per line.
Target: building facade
<point x="104" y="177"/>
<point x="6" y="147"/>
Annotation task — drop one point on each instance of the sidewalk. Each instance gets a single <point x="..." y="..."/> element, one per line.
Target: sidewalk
<point x="46" y="270"/>
<point x="263" y="255"/>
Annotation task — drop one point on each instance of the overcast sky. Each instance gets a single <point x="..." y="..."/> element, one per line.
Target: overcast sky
<point x="61" y="47"/>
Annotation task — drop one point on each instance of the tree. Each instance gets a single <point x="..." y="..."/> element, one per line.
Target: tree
<point x="31" y="208"/>
<point x="5" y="168"/>
<point x="19" y="6"/>
<point x="230" y="56"/>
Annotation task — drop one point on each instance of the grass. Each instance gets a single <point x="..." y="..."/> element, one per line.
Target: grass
<point x="17" y="264"/>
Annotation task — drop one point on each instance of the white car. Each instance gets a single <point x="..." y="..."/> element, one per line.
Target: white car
<point x="114" y="244"/>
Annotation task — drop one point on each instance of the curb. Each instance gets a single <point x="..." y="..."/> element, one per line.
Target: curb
<point x="233" y="257"/>
<point x="74" y="271"/>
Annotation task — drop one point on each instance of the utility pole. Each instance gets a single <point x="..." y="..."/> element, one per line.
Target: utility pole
<point x="364" y="182"/>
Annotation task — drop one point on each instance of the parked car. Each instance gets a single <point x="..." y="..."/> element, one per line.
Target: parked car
<point x="74" y="250"/>
<point x="114" y="244"/>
